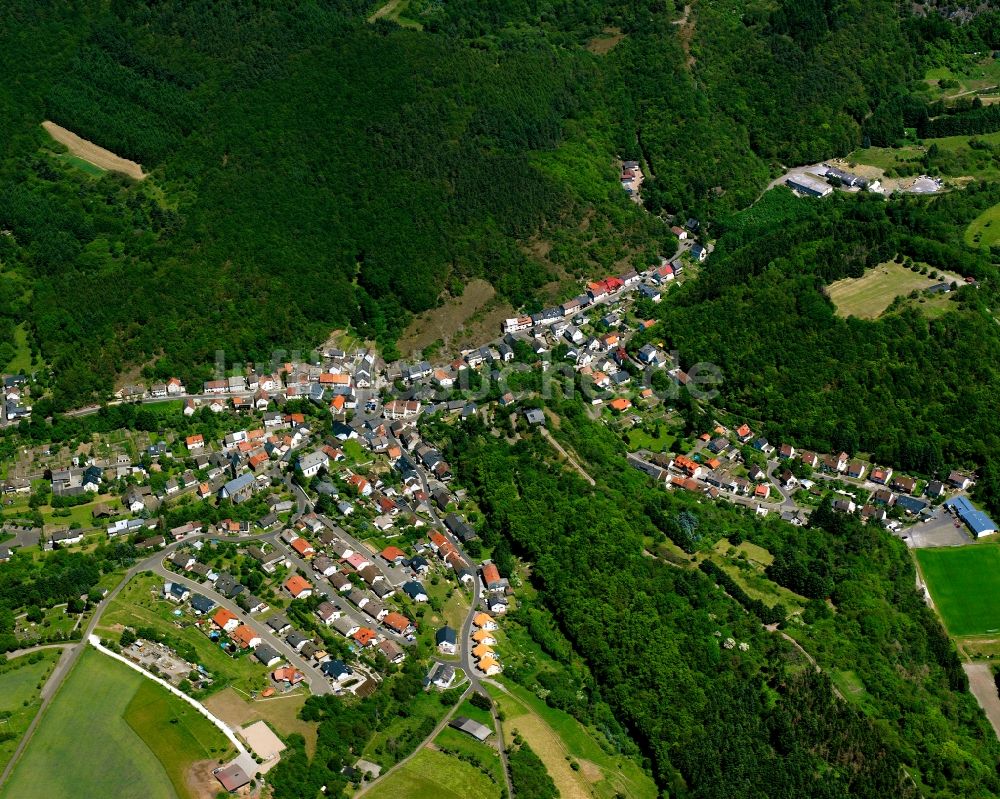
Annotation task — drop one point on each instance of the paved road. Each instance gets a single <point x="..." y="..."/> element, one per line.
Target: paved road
<point x="465" y="637"/>
<point x="318" y="683"/>
<point x="55" y="645"/>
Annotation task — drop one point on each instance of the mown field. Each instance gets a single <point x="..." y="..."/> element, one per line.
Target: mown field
<point x="110" y="732"/>
<point x="965" y="585"/>
<point x="435" y="775"/>
<point x="868" y="296"/>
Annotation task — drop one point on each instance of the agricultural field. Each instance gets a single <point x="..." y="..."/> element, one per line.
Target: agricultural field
<point x="435" y="775"/>
<point x="176" y="733"/>
<point x="964" y="583"/>
<point x="140" y="753"/>
<point x="984" y="231"/>
<point x="559" y="739"/>
<point x="138" y="605"/>
<point x="20" y="695"/>
<point x="868" y="296"/>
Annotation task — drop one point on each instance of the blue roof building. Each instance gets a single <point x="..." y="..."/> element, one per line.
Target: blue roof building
<point x="978" y="522"/>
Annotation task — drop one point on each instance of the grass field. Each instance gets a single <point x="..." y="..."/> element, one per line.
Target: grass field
<point x="868" y="296"/>
<point x="21" y="362"/>
<point x="752" y="580"/>
<point x="965" y="585"/>
<point x="84" y="747"/>
<point x="19" y="695"/>
<point x="175" y="732"/>
<point x="984" y="231"/>
<point x="557" y="738"/>
<point x="435" y="775"/>
<point x="469" y="749"/>
<point x="972" y="76"/>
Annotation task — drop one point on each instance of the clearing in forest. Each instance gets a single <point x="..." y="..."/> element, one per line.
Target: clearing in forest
<point x="559" y="740"/>
<point x="91" y="153"/>
<point x="965" y="585"/>
<point x="868" y="296"/>
<point x="984" y="231"/>
<point x="475" y="316"/>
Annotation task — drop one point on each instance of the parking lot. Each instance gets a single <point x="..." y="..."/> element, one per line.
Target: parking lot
<point x="938" y="531"/>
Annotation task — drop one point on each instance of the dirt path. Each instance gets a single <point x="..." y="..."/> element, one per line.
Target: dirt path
<point x="93" y="154"/>
<point x="685" y="29"/>
<point x="984" y="689"/>
<point x="550" y="749"/>
<point x="569" y="458"/>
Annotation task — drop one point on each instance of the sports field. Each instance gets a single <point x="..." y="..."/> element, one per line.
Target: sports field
<point x="868" y="296"/>
<point x="110" y="732"/>
<point x="965" y="585"/>
<point x="984" y="231"/>
<point x="435" y="775"/>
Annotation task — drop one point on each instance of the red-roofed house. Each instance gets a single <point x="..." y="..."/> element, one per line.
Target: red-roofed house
<point x="620" y="404"/>
<point x="225" y="620"/>
<point x="393" y="554"/>
<point x="298" y="587"/>
<point x="397" y="622"/>
<point x="195" y="442"/>
<point x="491" y="575"/>
<point x="303" y="547"/>
<point x="357" y="561"/>
<point x="365" y="636"/>
<point x="245" y="637"/>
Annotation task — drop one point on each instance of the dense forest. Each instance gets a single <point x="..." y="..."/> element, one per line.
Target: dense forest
<point x="719" y="720"/>
<point x="310" y="171"/>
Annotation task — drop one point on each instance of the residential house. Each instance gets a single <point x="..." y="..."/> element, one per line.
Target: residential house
<point x="446" y="640"/>
<point x="298" y="587"/>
